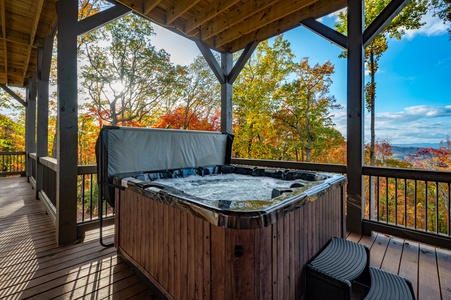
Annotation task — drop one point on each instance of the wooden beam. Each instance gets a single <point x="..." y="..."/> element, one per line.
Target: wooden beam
<point x="42" y="137"/>
<point x="67" y="128"/>
<point x="355" y="117"/>
<point x="212" y="62"/>
<point x="34" y="28"/>
<point x="226" y="93"/>
<point x="149" y="5"/>
<point x="178" y="10"/>
<point x="326" y="32"/>
<point x="383" y="19"/>
<point x="30" y="123"/>
<point x="45" y="59"/>
<point x="5" y="44"/>
<point x="241" y="62"/>
<point x="102" y="18"/>
<point x="205" y="16"/>
<point x="259" y="20"/>
<point x="35" y="23"/>
<point x="14" y="95"/>
<point x="318" y="9"/>
<point x="234" y="17"/>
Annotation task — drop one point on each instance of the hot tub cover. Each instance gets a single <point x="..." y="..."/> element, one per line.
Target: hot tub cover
<point x="122" y="150"/>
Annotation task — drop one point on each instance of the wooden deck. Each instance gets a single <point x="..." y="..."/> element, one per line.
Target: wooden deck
<point x="32" y="266"/>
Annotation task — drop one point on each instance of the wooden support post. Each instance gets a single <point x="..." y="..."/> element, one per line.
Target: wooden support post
<point x="66" y="179"/>
<point x="226" y="75"/>
<point x="44" y="61"/>
<point x="355" y="105"/>
<point x="30" y="127"/>
<point x="226" y="93"/>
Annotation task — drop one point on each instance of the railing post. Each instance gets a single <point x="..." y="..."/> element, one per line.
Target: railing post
<point x="355" y="83"/>
<point x="66" y="182"/>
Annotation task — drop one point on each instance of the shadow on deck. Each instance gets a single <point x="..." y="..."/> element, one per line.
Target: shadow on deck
<point x="34" y="267"/>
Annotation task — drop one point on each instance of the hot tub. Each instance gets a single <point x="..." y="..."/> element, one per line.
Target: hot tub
<point x="191" y="240"/>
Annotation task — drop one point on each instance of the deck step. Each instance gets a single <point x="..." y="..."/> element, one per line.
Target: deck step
<point x="386" y="285"/>
<point x="330" y="274"/>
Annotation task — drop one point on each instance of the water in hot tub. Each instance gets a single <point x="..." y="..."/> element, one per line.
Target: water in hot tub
<point x="228" y="186"/>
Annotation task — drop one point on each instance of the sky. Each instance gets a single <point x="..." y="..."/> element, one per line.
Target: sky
<point x="413" y="99"/>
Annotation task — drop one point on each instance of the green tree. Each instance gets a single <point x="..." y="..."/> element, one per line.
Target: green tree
<point x="126" y="77"/>
<point x="409" y="18"/>
<point x="255" y="93"/>
<point x="197" y="95"/>
<point x="306" y="107"/>
<point x="12" y="133"/>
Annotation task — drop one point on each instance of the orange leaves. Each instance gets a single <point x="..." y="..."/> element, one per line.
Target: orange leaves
<point x="181" y="118"/>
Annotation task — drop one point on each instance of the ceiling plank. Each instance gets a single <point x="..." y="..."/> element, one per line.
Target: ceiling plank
<point x="207" y="15"/>
<point x="149" y="5"/>
<point x="317" y="10"/>
<point x="35" y="23"/>
<point x="179" y="9"/>
<point x="265" y="17"/>
<point x="5" y="43"/>
<point x="136" y="5"/>
<point x="34" y="27"/>
<point x="234" y="17"/>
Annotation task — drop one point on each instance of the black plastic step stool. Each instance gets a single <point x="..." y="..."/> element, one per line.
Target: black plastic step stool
<point x="331" y="273"/>
<point x="386" y="285"/>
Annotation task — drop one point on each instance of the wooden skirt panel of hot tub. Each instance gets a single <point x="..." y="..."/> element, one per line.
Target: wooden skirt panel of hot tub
<point x="189" y="258"/>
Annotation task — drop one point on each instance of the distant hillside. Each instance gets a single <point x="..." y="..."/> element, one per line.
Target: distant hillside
<point x="401" y="152"/>
<point x="419" y="145"/>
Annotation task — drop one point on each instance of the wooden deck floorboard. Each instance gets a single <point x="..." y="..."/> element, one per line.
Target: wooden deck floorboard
<point x="34" y="267"/>
<point x="427" y="267"/>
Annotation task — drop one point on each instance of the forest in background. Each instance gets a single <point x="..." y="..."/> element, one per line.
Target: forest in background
<point x="282" y="108"/>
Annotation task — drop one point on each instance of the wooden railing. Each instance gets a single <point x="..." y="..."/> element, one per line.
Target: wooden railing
<point x="12" y="163"/>
<point x="87" y="189"/>
<point x="407" y="203"/>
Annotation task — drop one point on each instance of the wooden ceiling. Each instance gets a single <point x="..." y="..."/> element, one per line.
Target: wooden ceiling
<point x="223" y="25"/>
<point x="229" y="25"/>
<point x="24" y="25"/>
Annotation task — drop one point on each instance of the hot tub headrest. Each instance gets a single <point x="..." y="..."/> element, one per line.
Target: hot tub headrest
<point x="132" y="150"/>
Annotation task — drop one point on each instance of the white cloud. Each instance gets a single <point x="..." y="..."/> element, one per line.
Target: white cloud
<point x="433" y="26"/>
<point x="182" y="50"/>
<point x="414" y="124"/>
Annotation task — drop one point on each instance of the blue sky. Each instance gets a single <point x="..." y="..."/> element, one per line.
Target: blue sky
<point x="413" y="103"/>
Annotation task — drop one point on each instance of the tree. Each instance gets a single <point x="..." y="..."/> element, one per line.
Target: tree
<point x="197" y="95"/>
<point x="11" y="134"/>
<point x="181" y="118"/>
<point x="126" y="76"/>
<point x="442" y="9"/>
<point x="409" y="18"/>
<point x="255" y="93"/>
<point x="306" y="107"/>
